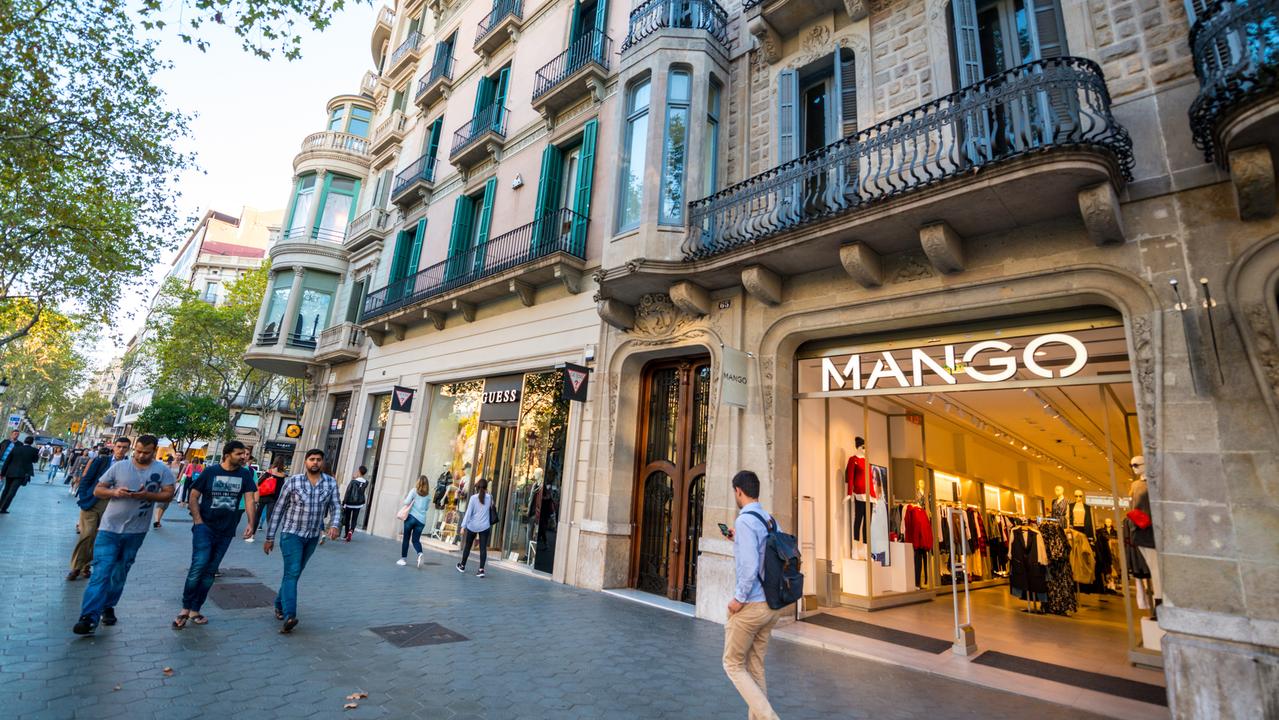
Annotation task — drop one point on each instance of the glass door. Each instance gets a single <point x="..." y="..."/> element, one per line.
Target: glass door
<point x="381" y="410"/>
<point x="494" y="456"/>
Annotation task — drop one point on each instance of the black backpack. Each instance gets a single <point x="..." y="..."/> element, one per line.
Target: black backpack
<point x="783" y="582"/>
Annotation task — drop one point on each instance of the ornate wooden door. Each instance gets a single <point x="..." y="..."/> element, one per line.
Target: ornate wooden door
<point x="670" y="479"/>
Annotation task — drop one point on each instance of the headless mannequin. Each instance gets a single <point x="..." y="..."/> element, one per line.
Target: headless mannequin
<point x="857" y="481"/>
<point x="1144" y="539"/>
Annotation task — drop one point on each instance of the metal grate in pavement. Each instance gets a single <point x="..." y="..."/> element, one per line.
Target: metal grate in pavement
<point x="241" y="596"/>
<point x="235" y="573"/>
<point x="417" y="634"/>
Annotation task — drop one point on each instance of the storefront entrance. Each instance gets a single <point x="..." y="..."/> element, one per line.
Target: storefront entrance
<point x="380" y="406"/>
<point x="337" y="426"/>
<point x="978" y="475"/>
<point x="670" y="483"/>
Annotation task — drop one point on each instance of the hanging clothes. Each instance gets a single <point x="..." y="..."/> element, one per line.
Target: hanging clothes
<point x="879" y="531"/>
<point x="1083" y="563"/>
<point x="917" y="528"/>
<point x="1061" y="581"/>
<point x="1027" y="565"/>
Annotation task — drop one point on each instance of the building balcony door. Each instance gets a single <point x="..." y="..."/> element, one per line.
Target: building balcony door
<point x="670" y="480"/>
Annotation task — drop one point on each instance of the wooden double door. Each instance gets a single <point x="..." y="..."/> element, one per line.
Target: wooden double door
<point x="670" y="479"/>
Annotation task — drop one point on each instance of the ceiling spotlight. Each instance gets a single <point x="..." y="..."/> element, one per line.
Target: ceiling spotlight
<point x="930" y="399"/>
<point x="1040" y="353"/>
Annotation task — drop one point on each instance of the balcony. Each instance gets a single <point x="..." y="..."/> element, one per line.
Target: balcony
<point x="406" y="55"/>
<point x="574" y="73"/>
<point x="370" y="227"/>
<point x="415" y="182"/>
<point x="502" y="23"/>
<point x="268" y="354"/>
<point x="1235" y="118"/>
<point x="788" y="17"/>
<point x="268" y="337"/>
<point x="436" y="84"/>
<point x="381" y="33"/>
<point x="514" y="264"/>
<point x="341" y="343"/>
<point x="389" y="133"/>
<point x="654" y="15"/>
<point x="1038" y="142"/>
<point x="481" y="137"/>
<point x="324" y="148"/>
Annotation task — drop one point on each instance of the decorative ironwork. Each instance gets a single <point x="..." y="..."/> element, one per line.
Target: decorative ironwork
<point x="441" y="68"/>
<point x="491" y="119"/>
<point x="1236" y="49"/>
<point x="501" y="9"/>
<point x="267" y="338"/>
<point x="655" y="534"/>
<point x="1051" y="104"/>
<point x="693" y="536"/>
<point x="303" y="339"/>
<point x="410" y="44"/>
<point x="421" y="170"/>
<point x="653" y="15"/>
<point x="545" y="236"/>
<point x="748" y="4"/>
<point x="591" y="47"/>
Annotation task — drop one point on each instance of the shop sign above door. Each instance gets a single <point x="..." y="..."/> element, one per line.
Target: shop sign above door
<point x="501" y="398"/>
<point x="1051" y="356"/>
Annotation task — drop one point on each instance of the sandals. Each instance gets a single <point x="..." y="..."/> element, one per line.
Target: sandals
<point x="199" y="619"/>
<point x="180" y="621"/>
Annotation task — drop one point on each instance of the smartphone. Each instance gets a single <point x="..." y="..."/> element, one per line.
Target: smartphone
<point x="724" y="529"/>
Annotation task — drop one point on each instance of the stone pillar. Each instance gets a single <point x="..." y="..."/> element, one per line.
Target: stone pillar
<point x="291" y="309"/>
<point x="265" y="309"/>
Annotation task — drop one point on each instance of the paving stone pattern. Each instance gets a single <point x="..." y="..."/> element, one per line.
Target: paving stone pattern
<point x="533" y="649"/>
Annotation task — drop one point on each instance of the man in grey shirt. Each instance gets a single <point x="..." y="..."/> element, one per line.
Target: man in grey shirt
<point x="133" y="488"/>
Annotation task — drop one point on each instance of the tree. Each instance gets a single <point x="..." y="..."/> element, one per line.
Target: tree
<point x="87" y="156"/>
<point x="45" y="365"/>
<point x="182" y="417"/>
<point x="263" y="26"/>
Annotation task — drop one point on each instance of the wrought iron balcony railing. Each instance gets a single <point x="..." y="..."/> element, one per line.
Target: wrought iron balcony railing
<point x="748" y="4"/>
<point x="653" y="15"/>
<point x="592" y="47"/>
<point x="267" y="338"/>
<point x="410" y="44"/>
<point x="552" y="233"/>
<point x="441" y="68"/>
<point x="1236" y="49"/>
<point x="1058" y="103"/>
<point x="501" y="9"/>
<point x="490" y="119"/>
<point x="302" y="339"/>
<point x="422" y="169"/>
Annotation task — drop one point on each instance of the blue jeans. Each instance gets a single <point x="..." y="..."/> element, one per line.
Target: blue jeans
<point x="412" y="531"/>
<point x="207" y="549"/>
<point x="297" y="551"/>
<point x="113" y="555"/>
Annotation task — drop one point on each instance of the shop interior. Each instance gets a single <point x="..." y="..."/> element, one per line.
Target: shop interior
<point x="928" y="499"/>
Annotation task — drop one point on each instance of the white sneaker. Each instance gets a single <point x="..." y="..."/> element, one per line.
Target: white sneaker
<point x="401" y="562"/>
<point x="460" y="568"/>
<point x="419" y="561"/>
<point x="248" y="539"/>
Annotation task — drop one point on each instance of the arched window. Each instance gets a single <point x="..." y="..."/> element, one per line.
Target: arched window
<point x="631" y="192"/>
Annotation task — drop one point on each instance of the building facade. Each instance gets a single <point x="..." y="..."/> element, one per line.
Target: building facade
<point x="964" y="281"/>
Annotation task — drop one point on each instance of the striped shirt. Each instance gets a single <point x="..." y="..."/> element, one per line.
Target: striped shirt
<point x="300" y="507"/>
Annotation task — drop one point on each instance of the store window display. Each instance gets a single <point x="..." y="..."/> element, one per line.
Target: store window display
<point x="1142" y="528"/>
<point x="449" y="449"/>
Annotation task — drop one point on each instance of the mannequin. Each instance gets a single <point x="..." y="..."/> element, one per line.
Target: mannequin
<point x="855" y="477"/>
<point x="1080" y="515"/>
<point x="1144" y="538"/>
<point x="1108" y="546"/>
<point x="1059" y="506"/>
<point x="921" y="493"/>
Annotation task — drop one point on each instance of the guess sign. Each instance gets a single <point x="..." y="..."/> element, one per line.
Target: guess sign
<point x="500" y="396"/>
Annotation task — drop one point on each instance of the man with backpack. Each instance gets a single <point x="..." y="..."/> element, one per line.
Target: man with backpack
<point x="767" y="580"/>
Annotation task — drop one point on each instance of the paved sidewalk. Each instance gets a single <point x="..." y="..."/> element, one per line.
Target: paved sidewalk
<point x="534" y="649"/>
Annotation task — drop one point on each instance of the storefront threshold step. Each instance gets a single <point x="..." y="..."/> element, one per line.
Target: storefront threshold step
<point x="657" y="601"/>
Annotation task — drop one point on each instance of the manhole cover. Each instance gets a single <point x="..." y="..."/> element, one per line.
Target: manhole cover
<point x="418" y="634"/>
<point x="234" y="573"/>
<point x="241" y="596"/>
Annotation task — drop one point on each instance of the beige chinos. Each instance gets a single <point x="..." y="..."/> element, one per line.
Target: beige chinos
<point x="82" y="556"/>
<point x="745" y="644"/>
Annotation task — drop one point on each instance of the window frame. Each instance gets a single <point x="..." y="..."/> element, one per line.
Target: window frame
<point x="675" y="105"/>
<point x="634" y="114"/>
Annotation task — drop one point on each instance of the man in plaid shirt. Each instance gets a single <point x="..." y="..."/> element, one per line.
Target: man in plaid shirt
<point x="300" y="507"/>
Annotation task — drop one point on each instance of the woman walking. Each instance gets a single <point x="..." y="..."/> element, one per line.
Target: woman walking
<point x="268" y="488"/>
<point x="476" y="524"/>
<point x="55" y="462"/>
<point x="353" y="501"/>
<point x="415" y="506"/>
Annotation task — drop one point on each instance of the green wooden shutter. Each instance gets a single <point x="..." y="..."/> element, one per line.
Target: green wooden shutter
<point x="846" y="81"/>
<point x="483" y="94"/>
<point x="415" y="251"/>
<point x="1056" y="109"/>
<point x="397" y="258"/>
<point x="499" y="96"/>
<point x="601" y="25"/>
<point x="486" y="215"/>
<point x="432" y="148"/>
<point x="459" y="236"/>
<point x="582" y="203"/>
<point x="967" y="46"/>
<point x="547" y="192"/>
<point x="787" y="115"/>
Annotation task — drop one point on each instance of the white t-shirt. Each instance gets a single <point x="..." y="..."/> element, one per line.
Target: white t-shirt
<point x="127" y="515"/>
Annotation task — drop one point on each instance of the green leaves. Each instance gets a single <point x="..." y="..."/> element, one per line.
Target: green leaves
<point x="182" y="417"/>
<point x="263" y="26"/>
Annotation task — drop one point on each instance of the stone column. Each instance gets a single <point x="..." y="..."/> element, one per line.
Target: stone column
<point x="264" y="311"/>
<point x="291" y="309"/>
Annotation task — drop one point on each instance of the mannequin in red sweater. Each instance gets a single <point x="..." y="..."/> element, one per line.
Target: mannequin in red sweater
<point x="855" y="477"/>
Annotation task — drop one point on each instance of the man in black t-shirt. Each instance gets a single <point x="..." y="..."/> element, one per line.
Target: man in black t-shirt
<point x="214" y="501"/>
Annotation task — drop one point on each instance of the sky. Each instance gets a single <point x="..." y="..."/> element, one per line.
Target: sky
<point x="251" y="117"/>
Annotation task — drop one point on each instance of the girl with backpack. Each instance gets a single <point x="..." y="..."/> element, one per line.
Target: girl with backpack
<point x="269" y="489"/>
<point x="413" y="512"/>
<point x="478" y="522"/>
<point x="354" y="500"/>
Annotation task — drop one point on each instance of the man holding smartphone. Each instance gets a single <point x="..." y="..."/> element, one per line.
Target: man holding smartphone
<point x="133" y="488"/>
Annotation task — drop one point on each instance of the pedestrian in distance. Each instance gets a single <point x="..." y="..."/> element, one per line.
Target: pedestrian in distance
<point x="189" y="474"/>
<point x="354" y="500"/>
<point x="214" y="500"/>
<point x="268" y="489"/>
<point x="415" y="506"/>
<point x="132" y="487"/>
<point x="91" y="506"/>
<point x="81" y="462"/>
<point x="477" y="523"/>
<point x="299" y="518"/>
<point x="46" y="452"/>
<point x="18" y="470"/>
<point x="55" y="463"/>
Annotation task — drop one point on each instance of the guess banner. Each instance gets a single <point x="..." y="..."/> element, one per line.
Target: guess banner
<point x="402" y="399"/>
<point x="576" y="380"/>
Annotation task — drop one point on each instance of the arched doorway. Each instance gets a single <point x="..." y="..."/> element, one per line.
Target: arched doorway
<point x="670" y="477"/>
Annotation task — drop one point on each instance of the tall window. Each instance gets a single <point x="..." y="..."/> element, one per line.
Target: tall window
<point x="339" y="200"/>
<point x="710" y="144"/>
<point x="398" y="100"/>
<point x="281" y="284"/>
<point x="318" y="289"/>
<point x="302" y="200"/>
<point x="675" y="149"/>
<point x="360" y="119"/>
<point x="335" y="120"/>
<point x="636" y="139"/>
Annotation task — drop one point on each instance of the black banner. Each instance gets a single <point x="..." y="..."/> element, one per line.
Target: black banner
<point x="576" y="380"/>
<point x="402" y="399"/>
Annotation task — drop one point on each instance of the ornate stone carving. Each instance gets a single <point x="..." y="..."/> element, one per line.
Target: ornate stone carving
<point x="616" y="313"/>
<point x="943" y="246"/>
<point x="1267" y="346"/>
<point x="817" y="41"/>
<point x="657" y="316"/>
<point x="766" y="383"/>
<point x="857" y="9"/>
<point x="862" y="264"/>
<point x="770" y="44"/>
<point x="1252" y="172"/>
<point x="912" y="266"/>
<point x="1143" y="342"/>
<point x="1099" y="205"/>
